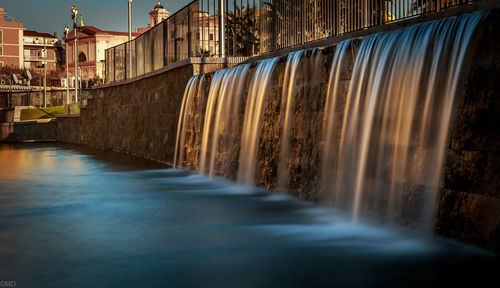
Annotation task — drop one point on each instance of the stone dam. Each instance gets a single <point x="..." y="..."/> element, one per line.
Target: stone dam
<point x="400" y="126"/>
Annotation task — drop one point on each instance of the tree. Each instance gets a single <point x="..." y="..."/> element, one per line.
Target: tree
<point x="242" y="32"/>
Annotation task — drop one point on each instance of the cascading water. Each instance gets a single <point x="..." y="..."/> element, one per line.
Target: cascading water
<point x="384" y="136"/>
<point x="396" y="119"/>
<point x="287" y="104"/>
<point x="333" y="114"/>
<point x="224" y="98"/>
<point x="213" y="95"/>
<point x="189" y="93"/>
<point x="307" y="71"/>
<point x="252" y="123"/>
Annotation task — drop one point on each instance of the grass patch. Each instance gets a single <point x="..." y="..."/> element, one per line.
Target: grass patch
<point x="42" y="113"/>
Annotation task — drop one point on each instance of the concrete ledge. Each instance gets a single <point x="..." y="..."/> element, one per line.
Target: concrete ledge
<point x="67" y="115"/>
<point x="188" y="61"/>
<point x="29" y="122"/>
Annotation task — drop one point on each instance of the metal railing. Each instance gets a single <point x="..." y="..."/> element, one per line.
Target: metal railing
<point x="286" y="23"/>
<point x="254" y="27"/>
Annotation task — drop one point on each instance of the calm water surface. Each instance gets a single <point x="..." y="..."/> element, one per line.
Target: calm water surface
<point x="71" y="217"/>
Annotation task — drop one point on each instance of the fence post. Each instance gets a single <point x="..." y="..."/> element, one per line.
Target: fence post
<point x="125" y="56"/>
<point x="152" y="49"/>
<point x="189" y="32"/>
<point x="221" y="28"/>
<point x="274" y="24"/>
<point x="135" y="48"/>
<point x="175" y="38"/>
<point x="114" y="64"/>
<point x="302" y="15"/>
<point x="144" y="55"/>
<point x="165" y="44"/>
<point x="381" y="10"/>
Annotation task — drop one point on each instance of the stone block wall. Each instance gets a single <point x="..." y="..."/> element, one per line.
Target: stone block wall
<point x="469" y="204"/>
<point x="141" y="117"/>
<point x="41" y="130"/>
<point x="469" y="207"/>
<point x="55" y="97"/>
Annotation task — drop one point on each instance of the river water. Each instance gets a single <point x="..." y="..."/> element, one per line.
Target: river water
<point x="72" y="217"/>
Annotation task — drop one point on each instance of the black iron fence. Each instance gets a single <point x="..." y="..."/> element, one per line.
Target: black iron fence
<point x="286" y="23"/>
<point x="253" y="27"/>
<point x="193" y="31"/>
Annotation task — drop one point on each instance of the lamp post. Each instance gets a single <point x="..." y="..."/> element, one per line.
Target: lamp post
<point x="66" y="32"/>
<point x="44" y="55"/>
<point x="74" y="11"/>
<point x="129" y="20"/>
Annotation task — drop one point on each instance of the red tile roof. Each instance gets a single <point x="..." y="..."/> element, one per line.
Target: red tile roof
<point x="118" y="33"/>
<point x="38" y="34"/>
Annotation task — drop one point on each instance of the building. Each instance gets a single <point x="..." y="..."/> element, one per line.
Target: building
<point x="92" y="43"/>
<point x="34" y="44"/>
<point x="11" y="41"/>
<point x="207" y="35"/>
<point x="156" y="16"/>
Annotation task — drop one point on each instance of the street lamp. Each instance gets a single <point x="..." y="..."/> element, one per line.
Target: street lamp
<point x="129" y="20"/>
<point x="74" y="11"/>
<point x="66" y="33"/>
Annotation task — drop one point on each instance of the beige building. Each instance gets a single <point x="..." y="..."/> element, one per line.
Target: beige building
<point x="40" y="47"/>
<point x="92" y="43"/>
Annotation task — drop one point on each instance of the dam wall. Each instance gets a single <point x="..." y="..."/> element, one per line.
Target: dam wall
<point x="142" y="118"/>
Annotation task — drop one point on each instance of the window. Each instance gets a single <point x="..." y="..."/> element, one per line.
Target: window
<point x="1" y="64"/>
<point x="1" y="50"/>
<point x="82" y="57"/>
<point x="1" y="36"/>
<point x="211" y="37"/>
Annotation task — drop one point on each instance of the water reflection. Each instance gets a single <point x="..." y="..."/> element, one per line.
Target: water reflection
<point x="71" y="217"/>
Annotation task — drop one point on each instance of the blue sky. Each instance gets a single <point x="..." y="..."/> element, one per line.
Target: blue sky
<point x="50" y="15"/>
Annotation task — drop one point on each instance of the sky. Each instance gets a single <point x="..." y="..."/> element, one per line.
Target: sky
<point x="49" y="16"/>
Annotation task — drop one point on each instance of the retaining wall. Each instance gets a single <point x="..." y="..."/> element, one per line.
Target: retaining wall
<point x="41" y="130"/>
<point x="135" y="117"/>
<point x="55" y="97"/>
<point x="140" y="118"/>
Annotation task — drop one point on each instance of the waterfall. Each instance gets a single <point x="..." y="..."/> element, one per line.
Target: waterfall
<point x="293" y="74"/>
<point x="213" y="95"/>
<point x="387" y="114"/>
<point x="226" y="91"/>
<point x="333" y="114"/>
<point x="252" y="123"/>
<point x="287" y="104"/>
<point x="396" y="119"/>
<point x="184" y="117"/>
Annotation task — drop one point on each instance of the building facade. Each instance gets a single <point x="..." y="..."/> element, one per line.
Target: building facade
<point x="91" y="45"/>
<point x="11" y="41"/>
<point x="34" y="45"/>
